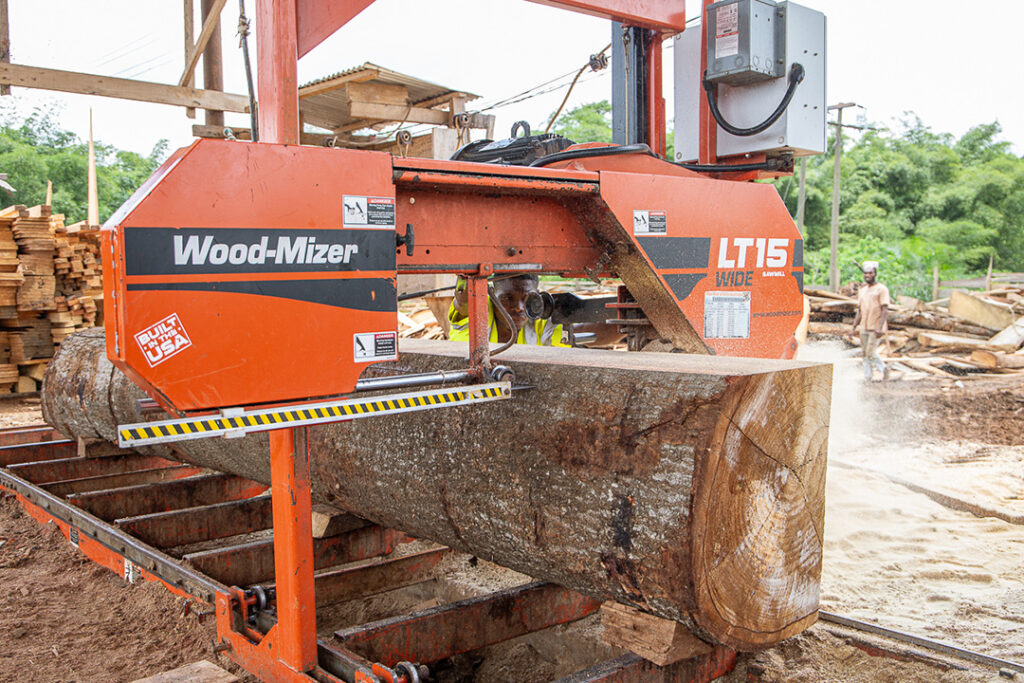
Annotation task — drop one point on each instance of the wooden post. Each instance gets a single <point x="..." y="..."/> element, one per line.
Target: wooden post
<point x="988" y="275"/>
<point x="935" y="282"/>
<point x="213" y="67"/>
<point x="93" y="198"/>
<point x="190" y="46"/>
<point x="5" y="43"/>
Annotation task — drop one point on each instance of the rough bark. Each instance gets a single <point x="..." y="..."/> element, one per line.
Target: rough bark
<point x="688" y="486"/>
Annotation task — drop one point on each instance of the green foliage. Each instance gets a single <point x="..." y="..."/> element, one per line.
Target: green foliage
<point x="912" y="200"/>
<point x="34" y="149"/>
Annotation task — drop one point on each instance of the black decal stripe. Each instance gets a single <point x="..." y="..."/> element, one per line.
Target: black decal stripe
<point x="798" y="254"/>
<point x="682" y="284"/>
<point x="363" y="294"/>
<point x="798" y="275"/>
<point x="677" y="252"/>
<point x="151" y="251"/>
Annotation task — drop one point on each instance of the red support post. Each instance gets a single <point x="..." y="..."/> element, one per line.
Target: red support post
<point x="707" y="152"/>
<point x="293" y="549"/>
<point x="277" y="59"/>
<point x="655" y="101"/>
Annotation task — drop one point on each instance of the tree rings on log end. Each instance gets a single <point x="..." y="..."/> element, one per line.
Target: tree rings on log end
<point x="758" y="510"/>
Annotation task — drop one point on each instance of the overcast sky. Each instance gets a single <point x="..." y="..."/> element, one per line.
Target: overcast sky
<point x="954" y="66"/>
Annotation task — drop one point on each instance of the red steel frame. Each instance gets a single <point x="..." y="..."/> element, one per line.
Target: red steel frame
<point x="288" y="29"/>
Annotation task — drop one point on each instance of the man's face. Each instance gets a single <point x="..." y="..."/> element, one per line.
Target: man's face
<point x="511" y="295"/>
<point x="869" y="277"/>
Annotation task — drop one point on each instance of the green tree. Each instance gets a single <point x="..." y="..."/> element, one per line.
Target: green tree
<point x="34" y="149"/>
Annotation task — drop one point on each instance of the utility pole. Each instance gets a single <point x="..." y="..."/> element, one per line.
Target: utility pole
<point x="833" y="262"/>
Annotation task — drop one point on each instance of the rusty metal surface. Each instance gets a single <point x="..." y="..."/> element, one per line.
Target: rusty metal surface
<point x="376" y="576"/>
<point x="252" y="563"/>
<point x="35" y="452"/>
<point x="79" y="468"/>
<point x="110" y="481"/>
<point x="33" y="434"/>
<point x="447" y="630"/>
<point x="167" y="495"/>
<point x="192" y="525"/>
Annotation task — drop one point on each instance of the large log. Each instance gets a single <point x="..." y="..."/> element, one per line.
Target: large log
<point x="688" y="486"/>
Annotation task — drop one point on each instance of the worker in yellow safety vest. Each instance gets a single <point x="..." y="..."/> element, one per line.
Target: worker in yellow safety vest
<point x="511" y="294"/>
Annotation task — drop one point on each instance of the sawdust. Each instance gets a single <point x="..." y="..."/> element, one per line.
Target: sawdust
<point x="20" y="412"/>
<point x="64" y="618"/>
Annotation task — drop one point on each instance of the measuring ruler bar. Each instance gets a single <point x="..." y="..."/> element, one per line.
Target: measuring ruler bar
<point x="238" y="423"/>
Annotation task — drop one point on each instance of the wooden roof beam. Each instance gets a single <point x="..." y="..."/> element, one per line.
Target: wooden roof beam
<point x="360" y="76"/>
<point x="122" y="88"/>
<point x="211" y="22"/>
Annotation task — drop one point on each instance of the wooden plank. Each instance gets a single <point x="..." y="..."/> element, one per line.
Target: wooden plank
<point x="396" y="112"/>
<point x="979" y="311"/>
<point x="330" y="521"/>
<point x="338" y="82"/>
<point x="122" y="88"/>
<point x="952" y="341"/>
<point x="190" y="46"/>
<point x="211" y="22"/>
<point x="202" y="671"/>
<point x="658" y="640"/>
<point x="1011" y="337"/>
<point x="994" y="359"/>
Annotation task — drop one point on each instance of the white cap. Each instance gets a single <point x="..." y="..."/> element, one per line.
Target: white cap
<point x="870" y="265"/>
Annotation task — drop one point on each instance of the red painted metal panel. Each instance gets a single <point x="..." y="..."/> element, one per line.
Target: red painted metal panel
<point x="667" y="16"/>
<point x="277" y="59"/>
<point x="36" y="452"/>
<point x="318" y="19"/>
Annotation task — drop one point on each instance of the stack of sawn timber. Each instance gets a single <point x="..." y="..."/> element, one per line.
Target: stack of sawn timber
<point x="50" y="286"/>
<point x="969" y="334"/>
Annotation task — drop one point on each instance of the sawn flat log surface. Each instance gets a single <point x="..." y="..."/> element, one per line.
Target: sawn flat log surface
<point x="690" y="487"/>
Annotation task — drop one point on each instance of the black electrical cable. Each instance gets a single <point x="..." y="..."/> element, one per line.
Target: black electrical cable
<point x="243" y="32"/>
<point x="796" y="75"/>
<point x="589" y="152"/>
<point x="718" y="168"/>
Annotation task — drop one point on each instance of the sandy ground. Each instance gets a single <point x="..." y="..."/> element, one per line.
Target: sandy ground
<point x="908" y="461"/>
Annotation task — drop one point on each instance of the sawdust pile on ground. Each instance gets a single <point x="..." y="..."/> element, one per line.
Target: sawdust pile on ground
<point x="19" y="412"/>
<point x="64" y="618"/>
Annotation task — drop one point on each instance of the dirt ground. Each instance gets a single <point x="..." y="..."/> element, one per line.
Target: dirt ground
<point x="909" y="558"/>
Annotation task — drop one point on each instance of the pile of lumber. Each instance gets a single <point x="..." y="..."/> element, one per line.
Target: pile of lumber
<point x="967" y="334"/>
<point x="50" y="286"/>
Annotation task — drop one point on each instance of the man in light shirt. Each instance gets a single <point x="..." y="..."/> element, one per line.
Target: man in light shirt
<point x="872" y="314"/>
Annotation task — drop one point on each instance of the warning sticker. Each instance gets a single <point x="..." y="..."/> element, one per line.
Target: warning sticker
<point x="727" y="27"/>
<point x="650" y="223"/>
<point x="727" y="315"/>
<point x="368" y="212"/>
<point x="73" y="535"/>
<point x="373" y="346"/>
<point x="163" y="340"/>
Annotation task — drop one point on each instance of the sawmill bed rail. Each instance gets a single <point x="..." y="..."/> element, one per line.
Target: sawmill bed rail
<point x="200" y="532"/>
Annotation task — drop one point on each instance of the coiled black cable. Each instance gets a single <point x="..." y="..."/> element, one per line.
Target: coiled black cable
<point x="589" y="152"/>
<point x="796" y="75"/>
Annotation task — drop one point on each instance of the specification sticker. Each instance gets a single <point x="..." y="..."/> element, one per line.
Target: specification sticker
<point x="373" y="346"/>
<point x="368" y="212"/>
<point x="650" y="223"/>
<point x="163" y="340"/>
<point x="727" y="35"/>
<point x="727" y="315"/>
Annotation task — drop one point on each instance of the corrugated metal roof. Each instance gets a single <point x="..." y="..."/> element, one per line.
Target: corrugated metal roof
<point x="419" y="90"/>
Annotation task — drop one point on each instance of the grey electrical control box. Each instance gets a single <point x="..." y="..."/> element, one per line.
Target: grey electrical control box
<point x="800" y="130"/>
<point x="746" y="41"/>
